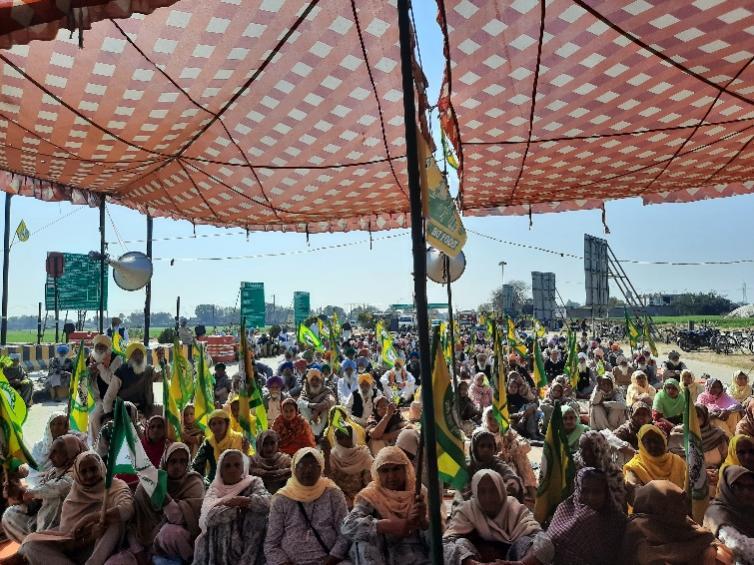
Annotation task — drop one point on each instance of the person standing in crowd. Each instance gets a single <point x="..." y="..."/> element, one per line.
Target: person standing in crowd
<point x="117" y="327"/>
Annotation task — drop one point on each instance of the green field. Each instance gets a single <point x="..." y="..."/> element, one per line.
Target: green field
<point x="30" y="336"/>
<point x="719" y="321"/>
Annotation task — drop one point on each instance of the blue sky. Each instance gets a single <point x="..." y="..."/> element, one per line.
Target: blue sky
<point x="709" y="230"/>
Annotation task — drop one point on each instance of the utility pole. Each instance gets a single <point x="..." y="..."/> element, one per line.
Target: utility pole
<point x="502" y="284"/>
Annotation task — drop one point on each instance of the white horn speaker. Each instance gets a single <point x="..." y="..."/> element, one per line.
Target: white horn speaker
<point x="131" y="271"/>
<point x="441" y="267"/>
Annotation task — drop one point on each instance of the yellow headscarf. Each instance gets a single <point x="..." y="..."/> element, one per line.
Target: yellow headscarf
<point x="232" y="439"/>
<point x="294" y="490"/>
<point x="740" y="393"/>
<point x="359" y="435"/>
<point x="647" y="468"/>
<point x="235" y="425"/>
<point x="732" y="458"/>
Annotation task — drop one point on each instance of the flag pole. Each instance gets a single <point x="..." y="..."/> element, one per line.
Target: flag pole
<point x="148" y="298"/>
<point x="419" y="246"/>
<point x="6" y="267"/>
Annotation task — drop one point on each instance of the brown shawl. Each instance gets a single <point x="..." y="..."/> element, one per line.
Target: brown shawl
<point x="725" y="510"/>
<point x="745" y="425"/>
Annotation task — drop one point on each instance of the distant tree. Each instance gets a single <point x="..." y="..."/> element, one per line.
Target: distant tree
<point x="520" y="296"/>
<point x="205" y="313"/>
<point x="702" y="304"/>
<point x="162" y="319"/>
<point x="615" y="302"/>
<point x="328" y="311"/>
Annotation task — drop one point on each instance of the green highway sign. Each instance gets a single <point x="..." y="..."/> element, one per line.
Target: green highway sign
<point x="437" y="305"/>
<point x="253" y="307"/>
<point x="78" y="287"/>
<point x="301" y="307"/>
<point x="401" y="306"/>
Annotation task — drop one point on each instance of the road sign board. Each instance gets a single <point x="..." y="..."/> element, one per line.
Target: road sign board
<point x="253" y="307"/>
<point x="78" y="286"/>
<point x="301" y="307"/>
<point x="55" y="264"/>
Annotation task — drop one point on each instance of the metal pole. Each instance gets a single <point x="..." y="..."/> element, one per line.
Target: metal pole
<point x="102" y="264"/>
<point x="148" y="299"/>
<point x="419" y="246"/>
<point x="6" y="266"/>
<point x="57" y="313"/>
<point x="177" y="312"/>
<point x="446" y="277"/>
<point x="502" y="284"/>
<point x="39" y="325"/>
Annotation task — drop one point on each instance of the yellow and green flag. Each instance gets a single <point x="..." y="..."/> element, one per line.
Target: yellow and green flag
<point x="631" y="330"/>
<point x="22" y="232"/>
<point x="172" y="391"/>
<point x="204" y="397"/>
<point x="252" y="415"/>
<point x="451" y="459"/>
<point x="513" y="341"/>
<point x="557" y="471"/>
<point x="118" y="345"/>
<point x="696" y="478"/>
<point x="539" y="329"/>
<point x="389" y="355"/>
<point x="572" y="361"/>
<point x="648" y="337"/>
<point x="80" y="395"/>
<point x="12" y="417"/>
<point x="539" y="376"/>
<point x="500" y="393"/>
<point x="308" y="338"/>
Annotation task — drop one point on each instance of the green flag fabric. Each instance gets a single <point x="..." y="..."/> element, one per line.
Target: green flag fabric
<point x="308" y="338"/>
<point x="22" y="232"/>
<point x="126" y="455"/>
<point x="557" y="471"/>
<point x="539" y="375"/>
<point x="80" y="395"/>
<point x="204" y="392"/>
<point x="631" y="330"/>
<point x="500" y="391"/>
<point x="696" y="480"/>
<point x="12" y="418"/>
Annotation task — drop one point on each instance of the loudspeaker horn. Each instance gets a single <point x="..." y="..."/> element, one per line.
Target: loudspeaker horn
<point x="131" y="271"/>
<point x="436" y="266"/>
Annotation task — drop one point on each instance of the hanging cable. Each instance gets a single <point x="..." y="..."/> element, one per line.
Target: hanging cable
<point x="115" y="230"/>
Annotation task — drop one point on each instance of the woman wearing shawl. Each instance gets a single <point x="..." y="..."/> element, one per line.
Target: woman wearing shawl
<point x="493" y="526"/>
<point x="639" y="388"/>
<point x="83" y="535"/>
<point x="724" y="411"/>
<point x="191" y="434"/>
<point x="586" y="528"/>
<point x="294" y="432"/>
<point x="740" y="452"/>
<point x="388" y="522"/>
<point x="480" y="392"/>
<point x="729" y="515"/>
<point x="653" y="461"/>
<point x="572" y="427"/>
<point x="595" y="452"/>
<point x="660" y="530"/>
<point x="523" y="407"/>
<point x="350" y="465"/>
<point x="233" y="516"/>
<point x="269" y="463"/>
<point x="57" y="425"/>
<point x="174" y="527"/>
<point x="745" y="425"/>
<point x="43" y="502"/>
<point x="641" y="414"/>
<point x="470" y="415"/>
<point x="607" y="409"/>
<point x="739" y="389"/>
<point x="305" y="516"/>
<point x="384" y="425"/>
<point x="668" y="406"/>
<point x="513" y="450"/>
<point x="482" y="456"/>
<point x="221" y="439"/>
<point x="714" y="444"/>
<point x="555" y="393"/>
<point x="155" y="439"/>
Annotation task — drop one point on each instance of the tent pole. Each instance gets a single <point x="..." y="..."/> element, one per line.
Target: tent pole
<point x="6" y="267"/>
<point x="148" y="300"/>
<point x="420" y="277"/>
<point x="102" y="279"/>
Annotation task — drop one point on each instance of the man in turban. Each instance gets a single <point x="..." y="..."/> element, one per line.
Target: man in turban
<point x="136" y="378"/>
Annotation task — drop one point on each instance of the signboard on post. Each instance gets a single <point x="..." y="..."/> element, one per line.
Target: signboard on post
<point x="301" y="307"/>
<point x="78" y="286"/>
<point x="253" y="307"/>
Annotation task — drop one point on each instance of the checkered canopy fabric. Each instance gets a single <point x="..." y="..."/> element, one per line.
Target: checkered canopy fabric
<point x="559" y="105"/>
<point x="267" y="115"/>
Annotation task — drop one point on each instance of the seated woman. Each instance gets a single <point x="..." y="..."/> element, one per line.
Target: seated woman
<point x="641" y="414"/>
<point x="482" y="456"/>
<point x="221" y="439"/>
<point x="739" y="389"/>
<point x="294" y="432"/>
<point x="470" y="415"/>
<point x="513" y="450"/>
<point x="233" y="517"/>
<point x="523" y="407"/>
<point x="337" y="418"/>
<point x="57" y="425"/>
<point x="270" y="464"/>
<point x="745" y="425"/>
<point x="42" y="502"/>
<point x="688" y="382"/>
<point x="155" y="440"/>
<point x="724" y="411"/>
<point x="555" y="394"/>
<point x="83" y="536"/>
<point x="653" y="462"/>
<point x="384" y="425"/>
<point x="350" y="465"/>
<point x="740" y="452"/>
<point x="389" y="522"/>
<point x="191" y="434"/>
<point x="305" y="516"/>
<point x="493" y="527"/>
<point x="586" y="528"/>
<point x="729" y="515"/>
<point x="668" y="406"/>
<point x="639" y="388"/>
<point x="607" y="408"/>
<point x="169" y="531"/>
<point x="572" y="427"/>
<point x="595" y="452"/>
<point x="480" y="392"/>
<point x="660" y="530"/>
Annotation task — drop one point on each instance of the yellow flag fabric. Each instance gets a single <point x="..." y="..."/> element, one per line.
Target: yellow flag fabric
<point x="12" y="417"/>
<point x="252" y="415"/>
<point x="22" y="232"/>
<point x="539" y="376"/>
<point x="204" y="398"/>
<point x="556" y="472"/>
<point x="696" y="478"/>
<point x="172" y="393"/>
<point x="80" y="395"/>
<point x="500" y="394"/>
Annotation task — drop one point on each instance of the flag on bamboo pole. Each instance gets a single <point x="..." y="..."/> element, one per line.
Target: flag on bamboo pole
<point x="696" y="479"/>
<point x="445" y="342"/>
<point x="252" y="415"/>
<point x="308" y="338"/>
<point x="324" y="330"/>
<point x="648" y="337"/>
<point x="572" y="361"/>
<point x="22" y="232"/>
<point x="171" y="393"/>
<point x="335" y="328"/>
<point x="126" y="455"/>
<point x="557" y="471"/>
<point x="181" y="378"/>
<point x="631" y="330"/>
<point x="388" y="354"/>
<point x="204" y="392"/>
<point x="450" y="158"/>
<point x="539" y="329"/>
<point x="500" y="392"/>
<point x="539" y="376"/>
<point x="13" y="414"/>
<point x="451" y="459"/>
<point x="80" y="395"/>
<point x="513" y="341"/>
